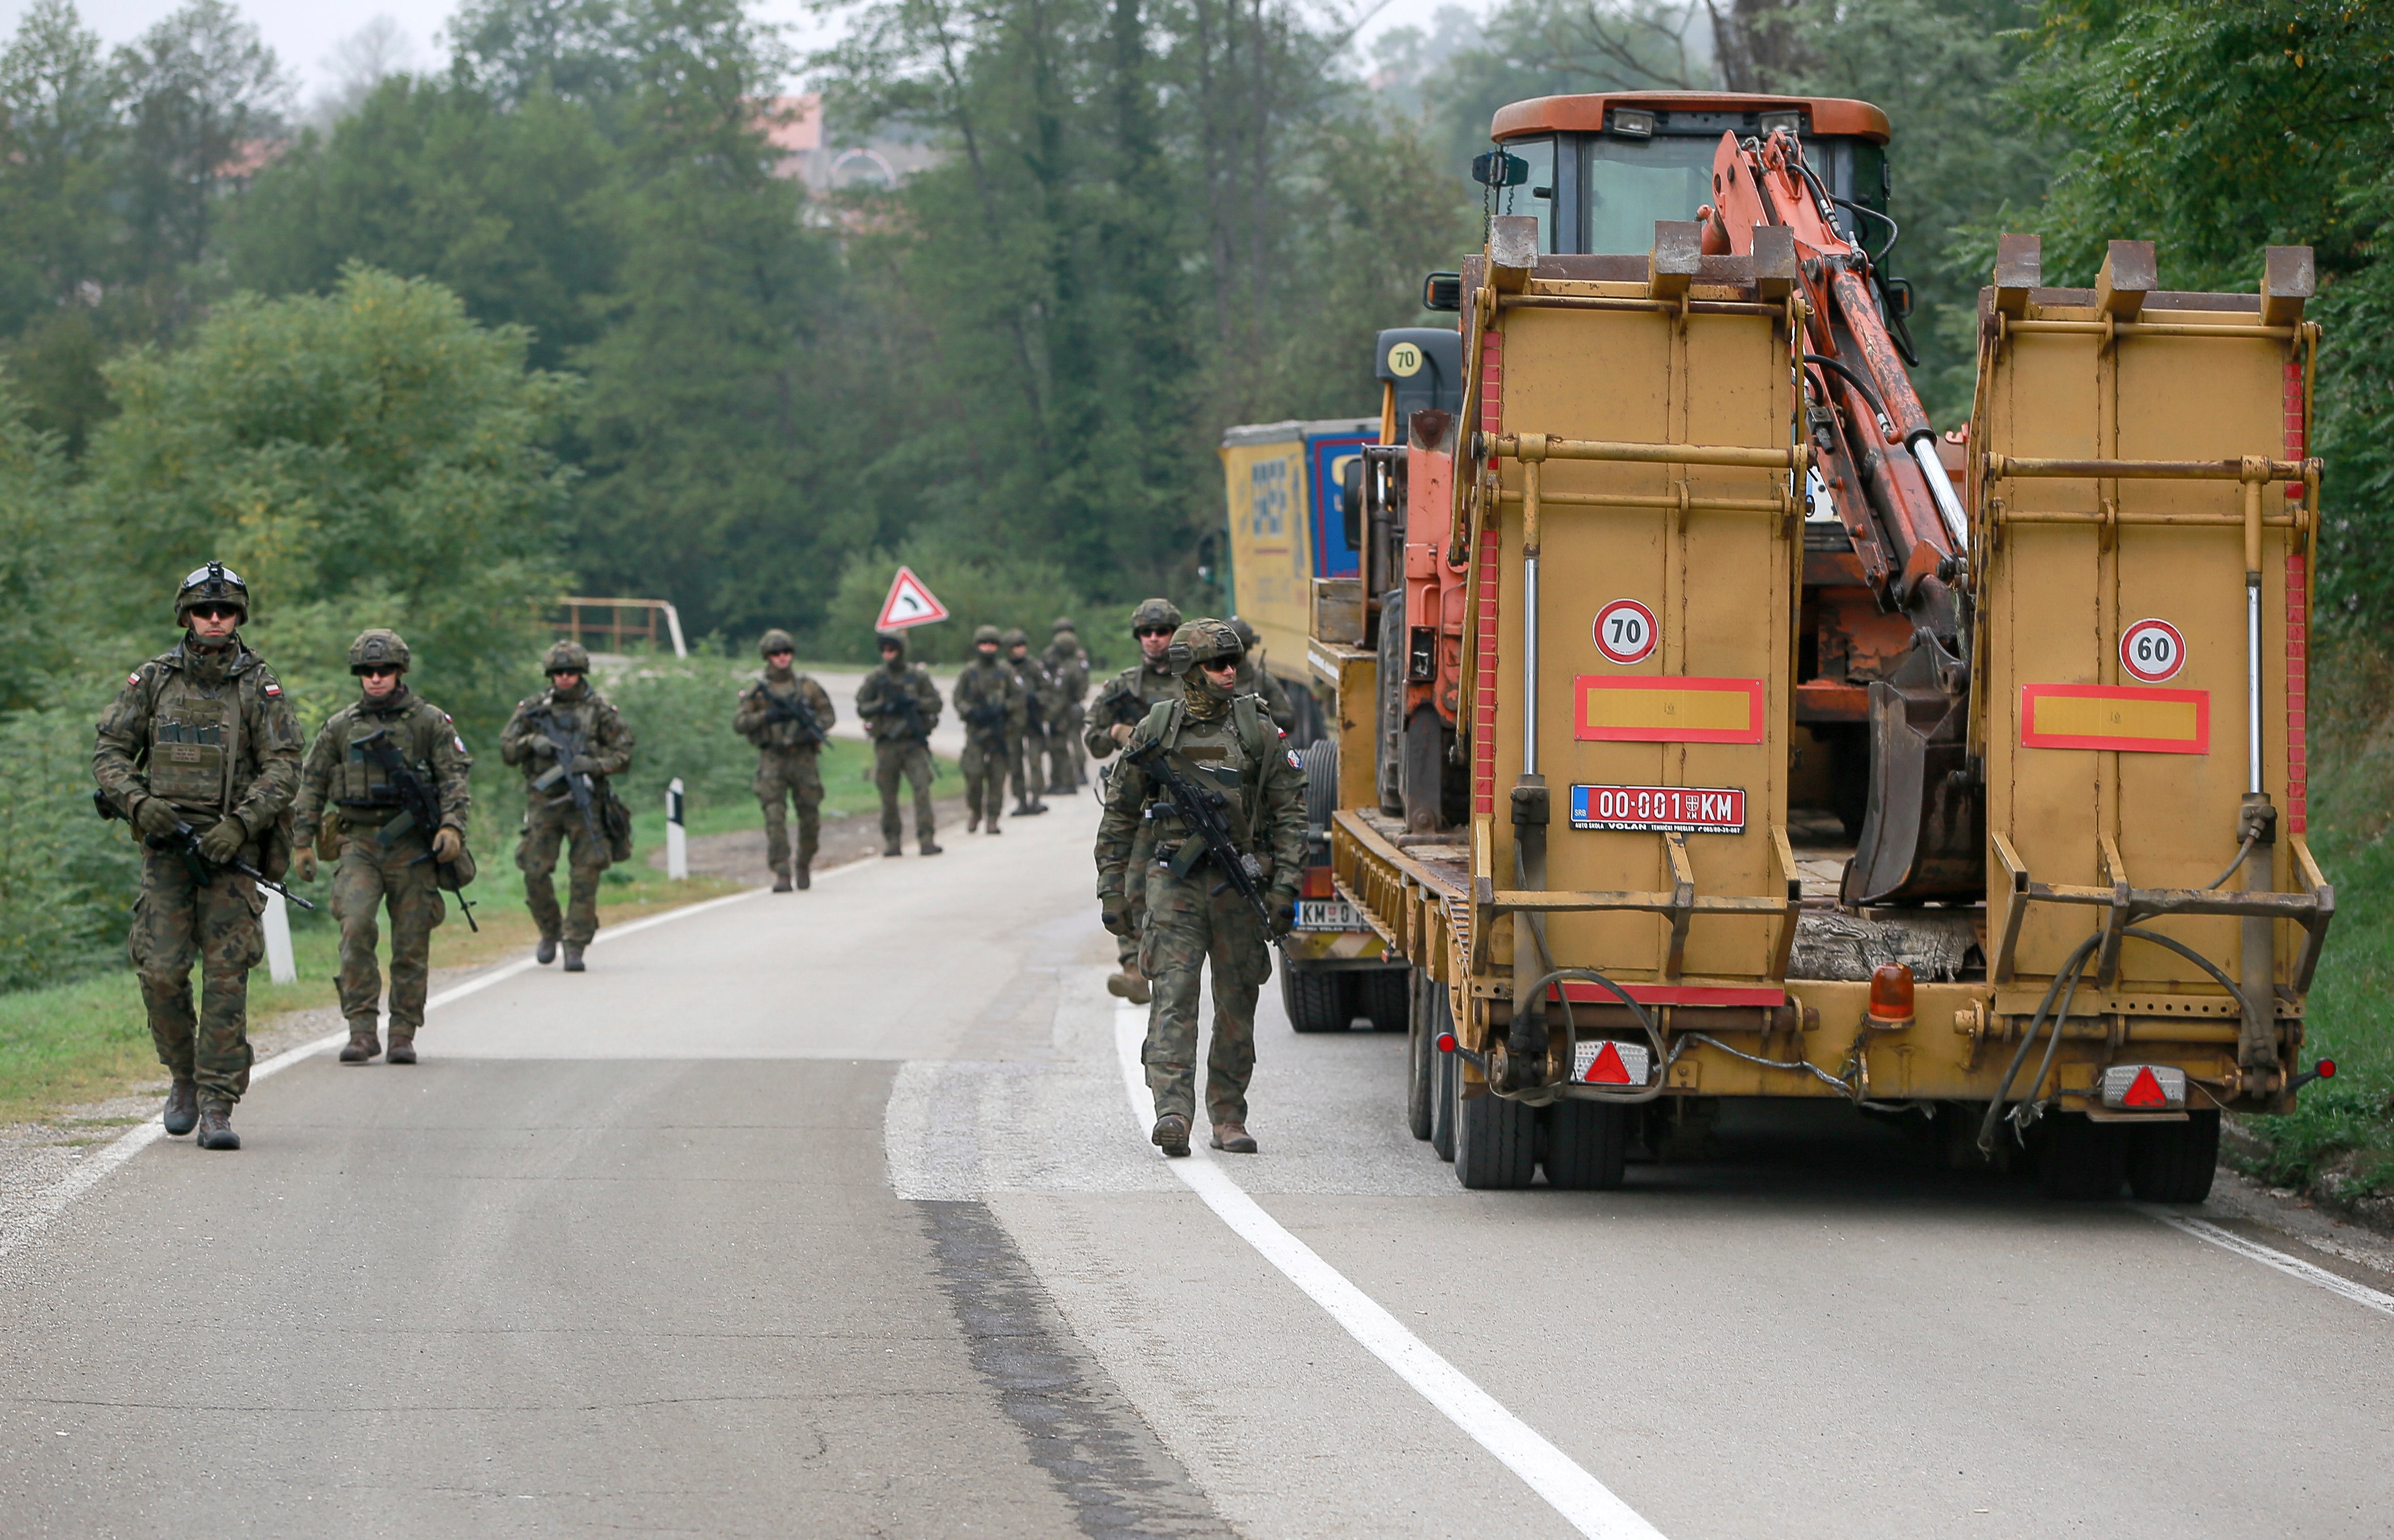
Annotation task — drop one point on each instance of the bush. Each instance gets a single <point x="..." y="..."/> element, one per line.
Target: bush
<point x="66" y="879"/>
<point x="977" y="589"/>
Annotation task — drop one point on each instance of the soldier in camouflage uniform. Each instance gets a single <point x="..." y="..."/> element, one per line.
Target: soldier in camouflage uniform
<point x="1255" y="680"/>
<point x="989" y="702"/>
<point x="901" y="705"/>
<point x="1212" y="733"/>
<point x="1068" y="665"/>
<point x="201" y="738"/>
<point x="345" y="795"/>
<point x="1029" y="759"/>
<point x="787" y="716"/>
<point x="552" y="814"/>
<point x="1121" y="703"/>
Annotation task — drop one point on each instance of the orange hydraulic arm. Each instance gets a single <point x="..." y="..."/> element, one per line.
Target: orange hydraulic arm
<point x="1922" y="834"/>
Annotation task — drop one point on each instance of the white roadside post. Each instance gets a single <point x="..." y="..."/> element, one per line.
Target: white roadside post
<point x="677" y="837"/>
<point x="279" y="965"/>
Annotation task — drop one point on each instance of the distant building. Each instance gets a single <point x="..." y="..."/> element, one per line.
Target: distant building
<point x="795" y="127"/>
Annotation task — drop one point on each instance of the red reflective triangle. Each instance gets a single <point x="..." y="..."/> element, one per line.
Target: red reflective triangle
<point x="1608" y="1070"/>
<point x="2145" y="1090"/>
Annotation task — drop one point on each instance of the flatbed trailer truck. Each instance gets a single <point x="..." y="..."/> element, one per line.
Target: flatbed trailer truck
<point x="2079" y="917"/>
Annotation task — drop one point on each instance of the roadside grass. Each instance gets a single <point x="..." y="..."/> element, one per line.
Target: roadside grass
<point x="2339" y="1140"/>
<point x="848" y="791"/>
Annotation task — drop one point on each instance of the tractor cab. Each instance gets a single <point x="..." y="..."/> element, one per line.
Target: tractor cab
<point x="1598" y="171"/>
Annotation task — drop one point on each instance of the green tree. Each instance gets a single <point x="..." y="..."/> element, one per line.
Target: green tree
<point x="203" y="94"/>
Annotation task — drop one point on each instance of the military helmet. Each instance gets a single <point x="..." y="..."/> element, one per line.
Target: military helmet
<point x="213" y="584"/>
<point x="378" y="647"/>
<point x="775" y="640"/>
<point x="1014" y="637"/>
<point x="1153" y="613"/>
<point x="1062" y="623"/>
<point x="986" y="633"/>
<point x="891" y="638"/>
<point x="567" y="657"/>
<point x="1246" y="632"/>
<point x="1202" y="641"/>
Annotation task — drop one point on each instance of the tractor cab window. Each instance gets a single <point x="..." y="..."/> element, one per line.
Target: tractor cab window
<point x="1628" y="184"/>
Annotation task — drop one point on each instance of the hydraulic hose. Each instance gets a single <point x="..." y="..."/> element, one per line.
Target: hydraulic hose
<point x="2069" y="973"/>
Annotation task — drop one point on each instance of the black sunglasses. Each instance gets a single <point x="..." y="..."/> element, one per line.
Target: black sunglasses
<point x="379" y="671"/>
<point x="215" y="611"/>
<point x="1153" y="631"/>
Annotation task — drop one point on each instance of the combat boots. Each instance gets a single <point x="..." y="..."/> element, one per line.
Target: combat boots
<point x="972" y="824"/>
<point x="780" y="882"/>
<point x="1171" y="1134"/>
<point x="931" y="849"/>
<point x="1130" y="984"/>
<point x="1027" y="810"/>
<point x="403" y="1048"/>
<point x="805" y="875"/>
<point x="545" y="953"/>
<point x="892" y="850"/>
<point x="574" y="957"/>
<point x="182" y="1106"/>
<point x="1233" y="1139"/>
<point x="215" y="1126"/>
<point x="364" y="1044"/>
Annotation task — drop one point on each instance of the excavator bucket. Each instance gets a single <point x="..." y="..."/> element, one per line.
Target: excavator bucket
<point x="1636" y="556"/>
<point x="2145" y="514"/>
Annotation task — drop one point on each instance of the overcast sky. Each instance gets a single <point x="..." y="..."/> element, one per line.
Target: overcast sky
<point x="304" y="34"/>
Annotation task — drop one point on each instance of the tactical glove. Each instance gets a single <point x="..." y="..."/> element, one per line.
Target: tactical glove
<point x="224" y="842"/>
<point x="447" y="844"/>
<point x="1115" y="911"/>
<point x="541" y="746"/>
<point x="1283" y="910"/>
<point x="155" y="815"/>
<point x="303" y="863"/>
<point x="583" y="765"/>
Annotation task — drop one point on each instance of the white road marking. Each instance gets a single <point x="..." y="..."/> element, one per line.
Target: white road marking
<point x="55" y="1198"/>
<point x="2293" y="1267"/>
<point x="1586" y="1504"/>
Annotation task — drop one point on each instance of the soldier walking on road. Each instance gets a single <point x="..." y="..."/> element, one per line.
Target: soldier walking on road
<point x="1211" y="734"/>
<point x="1029" y="759"/>
<point x="201" y="751"/>
<point x="989" y="702"/>
<point x="787" y="716"/>
<point x="901" y="705"/>
<point x="1255" y="680"/>
<point x="1121" y="703"/>
<point x="568" y="741"/>
<point x="351" y="801"/>
<point x="1068" y="665"/>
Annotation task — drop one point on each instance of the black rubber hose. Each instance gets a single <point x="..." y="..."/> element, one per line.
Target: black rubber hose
<point x="1854" y="379"/>
<point x="2028" y="1040"/>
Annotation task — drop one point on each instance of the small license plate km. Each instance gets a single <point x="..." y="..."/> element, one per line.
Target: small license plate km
<point x="1327" y="914"/>
<point x="1663" y="809"/>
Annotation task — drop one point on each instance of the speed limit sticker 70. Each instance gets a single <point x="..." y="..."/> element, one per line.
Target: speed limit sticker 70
<point x="1625" y="631"/>
<point x="2151" y="650"/>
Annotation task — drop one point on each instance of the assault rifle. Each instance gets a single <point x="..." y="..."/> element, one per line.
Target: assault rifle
<point x="1200" y="807"/>
<point x="568" y="748"/>
<point x="988" y="719"/>
<point x="905" y="707"/>
<point x="416" y="810"/>
<point x="796" y="710"/>
<point x="185" y="842"/>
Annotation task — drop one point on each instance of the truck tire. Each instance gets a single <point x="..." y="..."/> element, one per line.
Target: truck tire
<point x="1586" y="1143"/>
<point x="1425" y="1020"/>
<point x="1385" y="995"/>
<point x="1445" y="1097"/>
<point x="2173" y="1163"/>
<point x="1495" y="1142"/>
<point x="2080" y="1160"/>
<point x="1319" y="762"/>
<point x="1314" y="999"/>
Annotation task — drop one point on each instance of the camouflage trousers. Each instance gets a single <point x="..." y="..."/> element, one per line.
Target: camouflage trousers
<point x="1142" y="853"/>
<point x="909" y="757"/>
<point x="1028" y="764"/>
<point x="370" y="876"/>
<point x="984" y="765"/>
<point x="1185" y="929"/>
<point x="546" y="829"/>
<point x="175" y="922"/>
<point x="790" y="777"/>
<point x="1068" y="757"/>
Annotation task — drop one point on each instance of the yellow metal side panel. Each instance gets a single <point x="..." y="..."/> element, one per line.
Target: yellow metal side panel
<point x="1272" y="542"/>
<point x="1720" y="587"/>
<point x="2058" y="599"/>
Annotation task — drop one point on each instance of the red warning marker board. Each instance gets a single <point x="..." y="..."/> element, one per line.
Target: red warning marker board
<point x="909" y="603"/>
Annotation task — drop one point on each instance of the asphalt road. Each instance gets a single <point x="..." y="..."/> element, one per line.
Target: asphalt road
<point x="829" y="1214"/>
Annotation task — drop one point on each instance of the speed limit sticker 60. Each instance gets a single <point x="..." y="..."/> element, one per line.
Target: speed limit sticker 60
<point x="2151" y="650"/>
<point x="1625" y="631"/>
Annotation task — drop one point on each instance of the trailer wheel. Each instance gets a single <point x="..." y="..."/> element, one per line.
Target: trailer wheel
<point x="1495" y="1140"/>
<point x="1424" y="1022"/>
<point x="2173" y="1163"/>
<point x="1445" y="1094"/>
<point x="1385" y="995"/>
<point x="2082" y="1160"/>
<point x="1314" y="999"/>
<point x="1586" y="1144"/>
